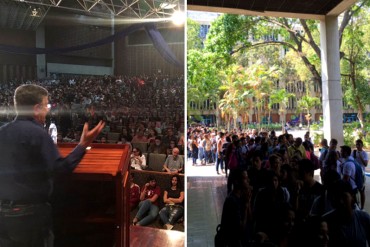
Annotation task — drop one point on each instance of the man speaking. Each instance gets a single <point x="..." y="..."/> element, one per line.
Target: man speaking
<point x="28" y="161"/>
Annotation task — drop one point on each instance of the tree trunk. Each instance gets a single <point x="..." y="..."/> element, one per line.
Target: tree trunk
<point x="360" y="112"/>
<point x="282" y="116"/>
<point x="235" y="121"/>
<point x="228" y="123"/>
<point x="269" y="118"/>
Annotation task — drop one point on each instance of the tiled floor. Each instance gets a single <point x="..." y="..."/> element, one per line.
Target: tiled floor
<point x="206" y="192"/>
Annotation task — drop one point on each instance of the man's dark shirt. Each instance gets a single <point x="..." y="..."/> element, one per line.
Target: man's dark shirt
<point x="28" y="160"/>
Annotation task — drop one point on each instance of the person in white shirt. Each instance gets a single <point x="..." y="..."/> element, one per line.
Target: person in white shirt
<point x="137" y="160"/>
<point x="362" y="158"/>
<point x="53" y="132"/>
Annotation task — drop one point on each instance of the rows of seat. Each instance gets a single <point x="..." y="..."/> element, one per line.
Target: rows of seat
<point x="155" y="161"/>
<point x="113" y="137"/>
<point x="143" y="146"/>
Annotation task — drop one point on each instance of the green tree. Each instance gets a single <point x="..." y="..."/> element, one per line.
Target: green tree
<point x="355" y="64"/>
<point x="193" y="39"/>
<point x="306" y="103"/>
<point x="232" y="34"/>
<point x="281" y="97"/>
<point x="261" y="79"/>
<point x="203" y="81"/>
<point x="237" y="96"/>
<point x="202" y="74"/>
<point x="223" y="36"/>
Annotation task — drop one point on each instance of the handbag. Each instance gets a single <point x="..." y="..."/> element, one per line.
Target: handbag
<point x="220" y="240"/>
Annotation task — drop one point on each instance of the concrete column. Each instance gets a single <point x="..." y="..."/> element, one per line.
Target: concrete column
<point x="330" y="73"/>
<point x="40" y="58"/>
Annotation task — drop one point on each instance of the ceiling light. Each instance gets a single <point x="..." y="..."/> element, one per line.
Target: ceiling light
<point x="178" y="18"/>
<point x="34" y="12"/>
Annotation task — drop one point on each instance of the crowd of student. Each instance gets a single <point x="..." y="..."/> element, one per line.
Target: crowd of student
<point x="273" y="198"/>
<point x="141" y="109"/>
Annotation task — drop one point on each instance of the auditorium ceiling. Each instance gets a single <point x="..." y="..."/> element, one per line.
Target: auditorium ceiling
<point x="308" y="9"/>
<point x="29" y="14"/>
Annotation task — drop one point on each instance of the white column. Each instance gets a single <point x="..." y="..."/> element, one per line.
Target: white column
<point x="40" y="58"/>
<point x="330" y="73"/>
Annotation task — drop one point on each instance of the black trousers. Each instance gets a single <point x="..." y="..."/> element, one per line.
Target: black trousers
<point x="26" y="225"/>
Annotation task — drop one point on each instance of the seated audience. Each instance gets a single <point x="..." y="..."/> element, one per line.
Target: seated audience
<point x="137" y="160"/>
<point x="157" y="147"/>
<point x="170" y="136"/>
<point x="149" y="202"/>
<point x="171" y="147"/>
<point x="134" y="193"/>
<point x="139" y="137"/>
<point x="173" y="197"/>
<point x="174" y="163"/>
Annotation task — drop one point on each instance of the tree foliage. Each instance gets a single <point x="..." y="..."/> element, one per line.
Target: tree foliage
<point x="293" y="45"/>
<point x="194" y="42"/>
<point x="355" y="64"/>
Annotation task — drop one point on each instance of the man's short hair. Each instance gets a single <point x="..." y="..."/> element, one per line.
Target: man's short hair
<point x="324" y="142"/>
<point x="334" y="141"/>
<point x="26" y="96"/>
<point x="151" y="178"/>
<point x="359" y="141"/>
<point x="158" y="138"/>
<point x="298" y="140"/>
<point x="305" y="166"/>
<point x="346" y="149"/>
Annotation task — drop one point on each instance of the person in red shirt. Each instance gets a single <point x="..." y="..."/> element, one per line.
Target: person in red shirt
<point x="148" y="206"/>
<point x="134" y="193"/>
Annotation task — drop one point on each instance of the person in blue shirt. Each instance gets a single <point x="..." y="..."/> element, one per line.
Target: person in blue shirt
<point x="28" y="160"/>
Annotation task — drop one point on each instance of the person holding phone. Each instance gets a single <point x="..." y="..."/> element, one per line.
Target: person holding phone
<point x="148" y="206"/>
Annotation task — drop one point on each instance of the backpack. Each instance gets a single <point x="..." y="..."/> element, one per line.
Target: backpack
<point x="315" y="161"/>
<point x="359" y="176"/>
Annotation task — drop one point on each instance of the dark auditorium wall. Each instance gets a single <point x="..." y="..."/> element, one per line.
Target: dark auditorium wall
<point x="72" y="34"/>
<point x="136" y="55"/>
<point x="133" y="55"/>
<point x="17" y="65"/>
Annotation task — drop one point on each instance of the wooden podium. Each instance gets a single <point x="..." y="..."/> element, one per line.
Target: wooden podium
<point x="91" y="205"/>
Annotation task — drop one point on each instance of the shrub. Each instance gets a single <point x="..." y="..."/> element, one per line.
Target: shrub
<point x="350" y="133"/>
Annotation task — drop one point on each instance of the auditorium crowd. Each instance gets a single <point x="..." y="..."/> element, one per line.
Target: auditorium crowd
<point x="139" y="108"/>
